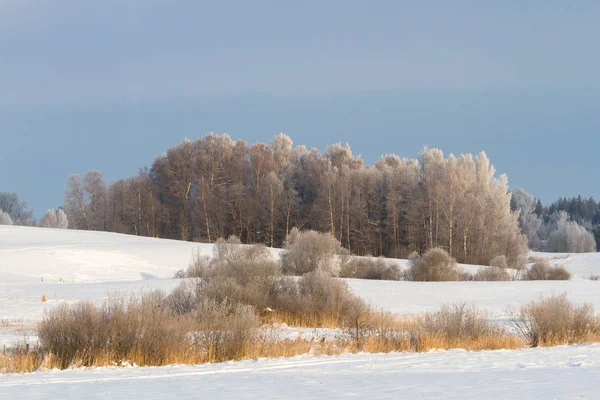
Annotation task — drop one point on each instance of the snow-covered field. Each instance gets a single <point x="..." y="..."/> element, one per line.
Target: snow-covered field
<point x="66" y="266"/>
<point x="555" y="373"/>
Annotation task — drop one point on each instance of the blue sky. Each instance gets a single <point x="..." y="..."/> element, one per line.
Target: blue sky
<point x="109" y="85"/>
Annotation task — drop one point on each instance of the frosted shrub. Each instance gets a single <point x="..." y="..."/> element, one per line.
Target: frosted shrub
<point x="499" y="262"/>
<point x="495" y="272"/>
<point x="435" y="265"/>
<point x="369" y="268"/>
<point x="541" y="271"/>
<point x="307" y="251"/>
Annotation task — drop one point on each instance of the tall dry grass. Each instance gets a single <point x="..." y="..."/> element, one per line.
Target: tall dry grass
<point x="555" y="320"/>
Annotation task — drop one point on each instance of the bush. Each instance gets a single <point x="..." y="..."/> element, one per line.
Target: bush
<point x="199" y="265"/>
<point x="231" y="250"/>
<point x="499" y="262"/>
<point x="555" y="320"/>
<point x="541" y="271"/>
<point x="248" y="282"/>
<point x="369" y="268"/>
<point x="459" y="322"/>
<point x="493" y="273"/>
<point x="139" y="328"/>
<point x="307" y="251"/>
<point x="435" y="265"/>
<point x="316" y="299"/>
<point x="224" y="331"/>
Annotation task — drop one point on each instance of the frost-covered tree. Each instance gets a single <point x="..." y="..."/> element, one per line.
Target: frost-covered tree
<point x="55" y="219"/>
<point x="16" y="209"/>
<point x="529" y="222"/>
<point x="49" y="220"/>
<point x="217" y="187"/>
<point x="62" y="221"/>
<point x="570" y="237"/>
<point x="75" y="203"/>
<point x="5" y="219"/>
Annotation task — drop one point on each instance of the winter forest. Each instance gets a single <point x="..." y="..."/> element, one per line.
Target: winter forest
<point x="216" y="187"/>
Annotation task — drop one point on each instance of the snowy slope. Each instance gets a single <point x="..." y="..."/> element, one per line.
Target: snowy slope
<point x="554" y="373"/>
<point x="30" y="254"/>
<point x="83" y="265"/>
<point x="581" y="265"/>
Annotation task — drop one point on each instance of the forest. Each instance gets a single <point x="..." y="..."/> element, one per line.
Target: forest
<point x="217" y="187"/>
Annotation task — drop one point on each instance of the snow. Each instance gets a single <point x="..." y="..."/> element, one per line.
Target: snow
<point x="66" y="266"/>
<point x="495" y="297"/>
<point x="554" y="373"/>
<point x="581" y="265"/>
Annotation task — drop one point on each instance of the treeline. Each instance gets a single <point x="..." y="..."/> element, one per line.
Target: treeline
<point x="216" y="187"/>
<point x="14" y="211"/>
<point x="567" y="225"/>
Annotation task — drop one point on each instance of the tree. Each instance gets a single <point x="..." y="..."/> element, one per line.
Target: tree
<point x="216" y="187"/>
<point x="75" y="204"/>
<point x="54" y="219"/>
<point x="5" y="218"/>
<point x="570" y="237"/>
<point x="526" y="205"/>
<point x="16" y="209"/>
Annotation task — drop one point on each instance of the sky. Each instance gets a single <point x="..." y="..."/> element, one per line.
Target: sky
<point x="110" y="85"/>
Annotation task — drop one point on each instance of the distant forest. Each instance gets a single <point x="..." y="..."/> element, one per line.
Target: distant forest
<point x="217" y="187"/>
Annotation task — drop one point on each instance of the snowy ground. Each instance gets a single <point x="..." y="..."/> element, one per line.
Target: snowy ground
<point x="67" y="266"/>
<point x="555" y="373"/>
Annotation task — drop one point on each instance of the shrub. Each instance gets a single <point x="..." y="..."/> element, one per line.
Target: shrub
<point x="317" y="299"/>
<point x="231" y="250"/>
<point x="224" y="331"/>
<point x="435" y="265"/>
<point x="183" y="299"/>
<point x="499" y="262"/>
<point x="145" y="330"/>
<point x="458" y="326"/>
<point x="458" y="322"/>
<point x="307" y="251"/>
<point x="199" y="265"/>
<point x="555" y="320"/>
<point x="558" y="274"/>
<point x="369" y="268"/>
<point x="542" y="270"/>
<point x="138" y="328"/>
<point x="243" y="281"/>
<point x="492" y="274"/>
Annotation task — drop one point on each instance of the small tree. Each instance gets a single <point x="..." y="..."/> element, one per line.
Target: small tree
<point x="5" y="219"/>
<point x="54" y="219"/>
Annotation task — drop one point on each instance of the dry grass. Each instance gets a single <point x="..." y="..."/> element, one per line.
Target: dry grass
<point x="555" y="320"/>
<point x="217" y="332"/>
